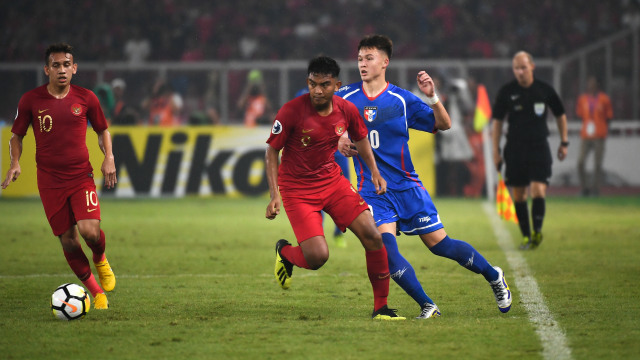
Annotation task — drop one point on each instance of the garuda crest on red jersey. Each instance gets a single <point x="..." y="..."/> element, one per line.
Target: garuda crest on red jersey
<point x="76" y="109"/>
<point x="340" y="129"/>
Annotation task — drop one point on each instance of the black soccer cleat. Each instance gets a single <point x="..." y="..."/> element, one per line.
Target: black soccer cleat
<point x="384" y="313"/>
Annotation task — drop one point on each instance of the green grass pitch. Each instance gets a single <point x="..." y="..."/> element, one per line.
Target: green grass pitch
<point x="195" y="281"/>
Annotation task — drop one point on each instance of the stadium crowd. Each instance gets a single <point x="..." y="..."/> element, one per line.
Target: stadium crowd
<point x="173" y="30"/>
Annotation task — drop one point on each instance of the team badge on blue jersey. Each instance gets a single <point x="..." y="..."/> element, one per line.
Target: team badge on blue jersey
<point x="277" y="128"/>
<point x="370" y="113"/>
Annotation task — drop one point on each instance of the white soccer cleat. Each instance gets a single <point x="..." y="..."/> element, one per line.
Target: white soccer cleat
<point x="428" y="311"/>
<point x="501" y="291"/>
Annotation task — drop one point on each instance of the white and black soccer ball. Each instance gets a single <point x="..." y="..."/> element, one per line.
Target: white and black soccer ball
<point x="70" y="302"/>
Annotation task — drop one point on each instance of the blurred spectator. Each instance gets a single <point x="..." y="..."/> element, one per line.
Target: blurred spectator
<point x="106" y="98"/>
<point x="254" y="102"/>
<point x="452" y="146"/>
<point x="631" y="13"/>
<point x="594" y="108"/>
<point x="123" y="113"/>
<point x="163" y="105"/>
<point x="211" y="100"/>
<point x="137" y="48"/>
<point x="291" y="29"/>
<point x="202" y="110"/>
<point x="247" y="46"/>
<point x="193" y="52"/>
<point x="306" y="28"/>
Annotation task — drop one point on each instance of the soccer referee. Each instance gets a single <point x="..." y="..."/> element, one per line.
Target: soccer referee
<point x="527" y="155"/>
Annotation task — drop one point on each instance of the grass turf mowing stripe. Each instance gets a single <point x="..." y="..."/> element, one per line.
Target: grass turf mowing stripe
<point x="152" y="276"/>
<point x="552" y="337"/>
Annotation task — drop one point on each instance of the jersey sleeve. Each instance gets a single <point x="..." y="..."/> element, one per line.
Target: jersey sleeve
<point x="419" y="115"/>
<point x="23" y="117"/>
<point x="555" y="103"/>
<point x="281" y="128"/>
<point x="94" y="113"/>
<point x="356" y="128"/>
<point x="499" y="109"/>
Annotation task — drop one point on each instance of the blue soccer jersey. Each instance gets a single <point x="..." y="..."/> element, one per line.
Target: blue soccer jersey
<point x="388" y="118"/>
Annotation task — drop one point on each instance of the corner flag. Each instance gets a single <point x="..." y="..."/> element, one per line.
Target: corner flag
<point x="483" y="109"/>
<point x="504" y="204"/>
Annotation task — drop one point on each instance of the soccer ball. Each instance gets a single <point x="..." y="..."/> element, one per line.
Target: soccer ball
<point x="70" y="302"/>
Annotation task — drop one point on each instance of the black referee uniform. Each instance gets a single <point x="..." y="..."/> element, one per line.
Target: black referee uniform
<point x="527" y="155"/>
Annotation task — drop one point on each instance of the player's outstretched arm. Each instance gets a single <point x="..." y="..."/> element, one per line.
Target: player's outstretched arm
<point x="15" y="151"/>
<point x="428" y="88"/>
<point x="364" y="149"/>
<point x="108" y="165"/>
<point x="271" y="164"/>
<point x="346" y="147"/>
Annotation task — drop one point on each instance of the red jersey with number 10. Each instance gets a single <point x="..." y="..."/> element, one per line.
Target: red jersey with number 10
<point x="60" y="130"/>
<point x="310" y="141"/>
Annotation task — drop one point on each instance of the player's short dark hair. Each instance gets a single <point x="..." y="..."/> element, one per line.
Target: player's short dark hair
<point x="57" y="48"/>
<point x="323" y="65"/>
<point x="380" y="42"/>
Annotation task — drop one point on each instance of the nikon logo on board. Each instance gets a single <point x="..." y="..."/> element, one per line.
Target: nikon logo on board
<point x="154" y="161"/>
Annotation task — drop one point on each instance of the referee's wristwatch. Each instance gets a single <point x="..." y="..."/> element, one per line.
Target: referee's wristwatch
<point x="564" y="143"/>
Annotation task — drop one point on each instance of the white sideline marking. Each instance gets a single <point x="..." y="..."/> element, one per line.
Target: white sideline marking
<point x="552" y="337"/>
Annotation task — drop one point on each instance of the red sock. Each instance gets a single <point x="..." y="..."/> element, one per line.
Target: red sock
<point x="92" y="285"/>
<point x="378" y="270"/>
<point x="295" y="256"/>
<point x="80" y="266"/>
<point x="98" y="248"/>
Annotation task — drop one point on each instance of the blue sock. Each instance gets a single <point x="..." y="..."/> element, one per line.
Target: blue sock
<point x="465" y="255"/>
<point x="402" y="272"/>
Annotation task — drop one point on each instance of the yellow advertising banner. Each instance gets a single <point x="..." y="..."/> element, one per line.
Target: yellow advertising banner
<point x="190" y="160"/>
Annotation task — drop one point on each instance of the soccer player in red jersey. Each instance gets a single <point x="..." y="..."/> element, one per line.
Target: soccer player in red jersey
<point x="58" y="113"/>
<point x="308" y="180"/>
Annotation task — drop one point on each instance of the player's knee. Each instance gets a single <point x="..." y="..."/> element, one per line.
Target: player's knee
<point x="317" y="260"/>
<point x="372" y="241"/>
<point x="69" y="243"/>
<point x="90" y="234"/>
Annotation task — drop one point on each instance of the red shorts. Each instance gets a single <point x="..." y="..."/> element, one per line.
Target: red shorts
<point x="340" y="200"/>
<point x="64" y="207"/>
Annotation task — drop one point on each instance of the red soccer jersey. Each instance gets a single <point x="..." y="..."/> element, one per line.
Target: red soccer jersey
<point x="310" y="140"/>
<point x="60" y="130"/>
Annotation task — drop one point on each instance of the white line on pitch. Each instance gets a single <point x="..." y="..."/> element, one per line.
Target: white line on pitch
<point x="553" y="339"/>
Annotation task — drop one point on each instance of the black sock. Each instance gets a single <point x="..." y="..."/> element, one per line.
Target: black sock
<point x="522" y="212"/>
<point x="537" y="213"/>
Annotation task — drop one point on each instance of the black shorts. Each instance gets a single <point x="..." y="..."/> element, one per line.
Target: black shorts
<point x="527" y="162"/>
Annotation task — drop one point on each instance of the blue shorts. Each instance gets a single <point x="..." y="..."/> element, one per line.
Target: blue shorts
<point x="411" y="209"/>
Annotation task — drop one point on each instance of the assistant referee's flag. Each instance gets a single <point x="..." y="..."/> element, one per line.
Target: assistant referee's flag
<point x="483" y="109"/>
<point x="504" y="204"/>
